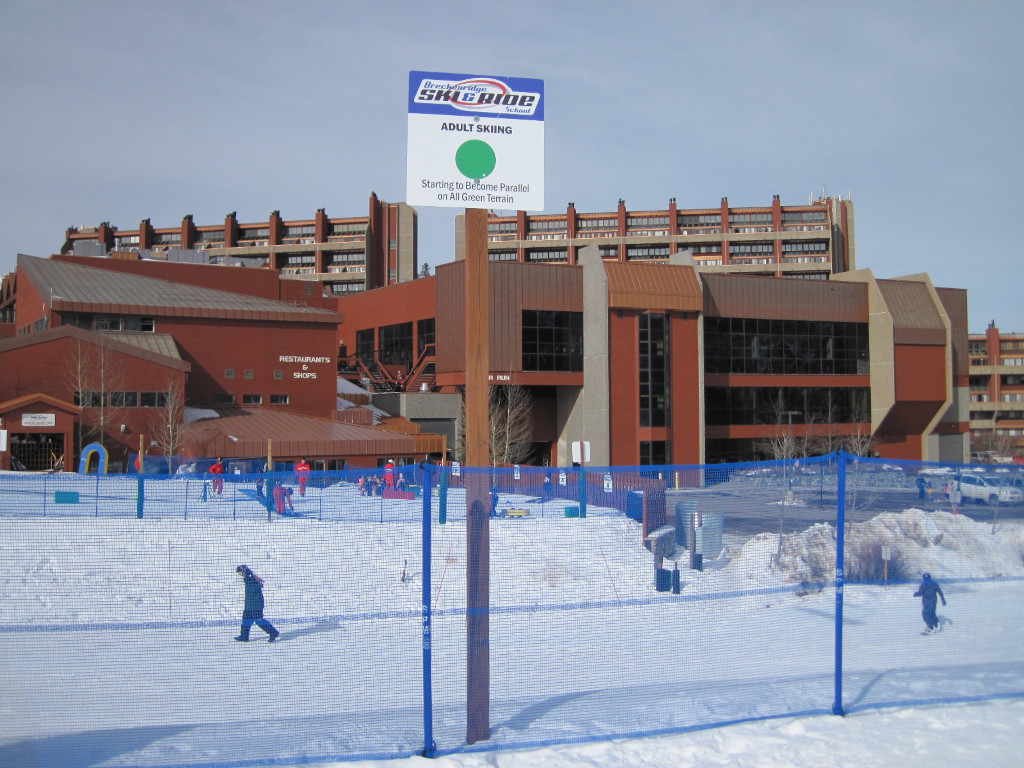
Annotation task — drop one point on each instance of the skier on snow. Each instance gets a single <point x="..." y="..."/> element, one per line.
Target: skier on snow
<point x="252" y="613"/>
<point x="930" y="592"/>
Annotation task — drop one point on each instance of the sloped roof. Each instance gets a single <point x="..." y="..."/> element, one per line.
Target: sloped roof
<point x="77" y="288"/>
<point x="157" y="343"/>
<point x="244" y="432"/>
<point x="41" y="398"/>
<point x="915" y="317"/>
<point x="784" y="298"/>
<point x="162" y="351"/>
<point x="653" y="286"/>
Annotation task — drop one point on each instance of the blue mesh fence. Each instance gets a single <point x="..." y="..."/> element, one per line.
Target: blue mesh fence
<point x="621" y="601"/>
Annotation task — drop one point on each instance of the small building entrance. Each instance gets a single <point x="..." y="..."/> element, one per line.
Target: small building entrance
<point x="37" y="451"/>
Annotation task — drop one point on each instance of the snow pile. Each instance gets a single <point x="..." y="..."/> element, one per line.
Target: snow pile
<point x="947" y="545"/>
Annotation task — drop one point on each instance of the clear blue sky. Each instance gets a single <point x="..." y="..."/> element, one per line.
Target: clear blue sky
<point x="120" y="110"/>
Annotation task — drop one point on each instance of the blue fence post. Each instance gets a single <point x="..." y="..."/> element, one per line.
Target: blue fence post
<point x="429" y="748"/>
<point x="442" y="499"/>
<point x="140" y="495"/>
<point x="583" y="492"/>
<point x="837" y="705"/>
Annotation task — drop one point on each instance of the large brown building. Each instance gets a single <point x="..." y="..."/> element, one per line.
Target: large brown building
<point x="810" y="241"/>
<point x="344" y="255"/>
<point x="656" y="363"/>
<point x="997" y="392"/>
<point x="122" y="345"/>
<point x="659" y="337"/>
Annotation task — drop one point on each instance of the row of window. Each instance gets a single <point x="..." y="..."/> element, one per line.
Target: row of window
<point x="741" y="253"/>
<point x="782" y="406"/>
<point x="582" y="225"/>
<point x="644" y="222"/>
<point x="759" y="221"/>
<point x="1013" y="362"/>
<point x="252" y="399"/>
<point x="101" y="399"/>
<point x="249" y="374"/>
<point x="547" y="225"/>
<point x="807" y="246"/>
<point x="744" y="345"/>
<point x="647" y="252"/>
<point x="116" y="323"/>
<point x="248" y="235"/>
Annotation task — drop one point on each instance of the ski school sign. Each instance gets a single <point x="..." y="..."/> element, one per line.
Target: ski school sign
<point x="475" y="142"/>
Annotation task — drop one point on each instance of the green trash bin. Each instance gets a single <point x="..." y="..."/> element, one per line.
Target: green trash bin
<point x="572" y="511"/>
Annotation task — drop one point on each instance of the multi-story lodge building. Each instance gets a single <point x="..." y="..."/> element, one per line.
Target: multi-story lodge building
<point x="345" y="255"/>
<point x="659" y="337"/>
<point x="997" y="391"/>
<point x="808" y="241"/>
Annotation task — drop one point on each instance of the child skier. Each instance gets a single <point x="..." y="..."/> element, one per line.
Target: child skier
<point x="252" y="613"/>
<point x="930" y="592"/>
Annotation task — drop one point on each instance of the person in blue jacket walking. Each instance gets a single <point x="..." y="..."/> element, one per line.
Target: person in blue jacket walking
<point x="252" y="613"/>
<point x="930" y="592"/>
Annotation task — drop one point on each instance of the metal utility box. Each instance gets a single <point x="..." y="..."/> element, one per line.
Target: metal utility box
<point x="689" y="512"/>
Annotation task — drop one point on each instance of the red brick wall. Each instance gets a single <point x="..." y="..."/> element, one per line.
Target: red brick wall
<point x="624" y="394"/>
<point x="920" y="373"/>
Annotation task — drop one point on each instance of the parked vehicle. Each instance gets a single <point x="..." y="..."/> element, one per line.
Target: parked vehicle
<point x="989" y="490"/>
<point x="989" y="457"/>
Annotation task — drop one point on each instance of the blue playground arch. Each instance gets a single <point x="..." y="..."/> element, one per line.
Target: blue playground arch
<point x="102" y="459"/>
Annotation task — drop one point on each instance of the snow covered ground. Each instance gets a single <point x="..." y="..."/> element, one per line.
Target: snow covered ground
<point x="989" y="734"/>
<point x="116" y="650"/>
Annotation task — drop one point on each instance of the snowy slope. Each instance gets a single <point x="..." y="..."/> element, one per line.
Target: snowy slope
<point x="115" y="637"/>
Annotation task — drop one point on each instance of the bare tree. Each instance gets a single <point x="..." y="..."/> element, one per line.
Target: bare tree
<point x="782" y="444"/>
<point x="167" y="422"/>
<point x="509" y="408"/>
<point x="95" y="374"/>
<point x="992" y="442"/>
<point x="861" y="442"/>
<point x="75" y="369"/>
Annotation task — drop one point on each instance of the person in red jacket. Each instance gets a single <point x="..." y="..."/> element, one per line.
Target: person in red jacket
<point x="217" y="470"/>
<point x="302" y="475"/>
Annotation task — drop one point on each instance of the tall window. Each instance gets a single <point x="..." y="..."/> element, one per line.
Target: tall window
<point x="424" y="334"/>
<point x="396" y="344"/>
<point x="655" y="452"/>
<point x="654" y="370"/>
<point x="365" y="348"/>
<point x="552" y="341"/>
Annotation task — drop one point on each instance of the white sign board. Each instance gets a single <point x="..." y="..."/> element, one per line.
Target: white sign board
<point x="38" y="419"/>
<point x="475" y="142"/>
<point x="581" y="451"/>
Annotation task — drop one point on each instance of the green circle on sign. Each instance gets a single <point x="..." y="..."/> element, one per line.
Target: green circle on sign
<point x="475" y="159"/>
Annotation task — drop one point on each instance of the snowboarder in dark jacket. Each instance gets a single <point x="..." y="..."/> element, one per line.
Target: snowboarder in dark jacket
<point x="930" y="592"/>
<point x="252" y="613"/>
